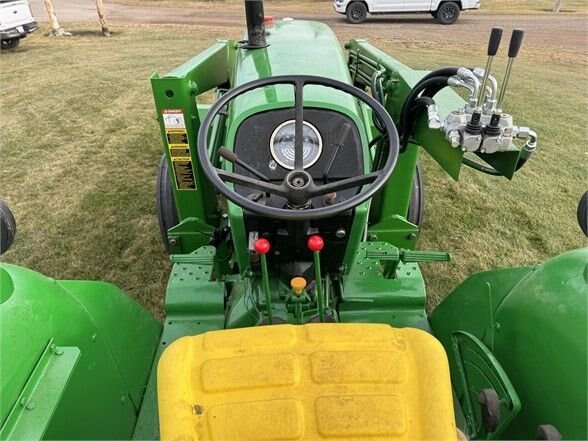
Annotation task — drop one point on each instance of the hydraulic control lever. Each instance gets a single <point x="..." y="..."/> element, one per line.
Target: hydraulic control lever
<point x="492" y="131"/>
<point x="516" y="40"/>
<point x="315" y="245"/>
<point x="232" y="157"/>
<point x="481" y="126"/>
<point x="493" y="44"/>
<point x="262" y="247"/>
<point x="346" y="128"/>
<point x="473" y="130"/>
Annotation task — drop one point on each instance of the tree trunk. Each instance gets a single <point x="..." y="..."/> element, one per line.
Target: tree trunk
<point x="557" y="6"/>
<point x="56" y="29"/>
<point x="102" y="18"/>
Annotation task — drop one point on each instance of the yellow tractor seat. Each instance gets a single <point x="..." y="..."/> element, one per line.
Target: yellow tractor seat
<point x="316" y="381"/>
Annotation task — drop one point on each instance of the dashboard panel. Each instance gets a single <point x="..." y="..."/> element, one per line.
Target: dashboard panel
<point x="254" y="138"/>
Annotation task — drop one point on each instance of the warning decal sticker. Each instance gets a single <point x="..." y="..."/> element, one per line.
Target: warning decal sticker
<point x="179" y="149"/>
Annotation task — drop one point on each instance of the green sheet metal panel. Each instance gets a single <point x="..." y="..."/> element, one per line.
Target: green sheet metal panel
<point x="34" y="408"/>
<point x="368" y="297"/>
<point x="284" y="57"/>
<point x="534" y="321"/>
<point x="116" y="339"/>
<point x="541" y="341"/>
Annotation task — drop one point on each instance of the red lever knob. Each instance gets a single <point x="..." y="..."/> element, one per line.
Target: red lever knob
<point x="261" y="246"/>
<point x="315" y="243"/>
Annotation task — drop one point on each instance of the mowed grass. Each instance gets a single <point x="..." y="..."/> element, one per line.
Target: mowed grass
<point x="80" y="145"/>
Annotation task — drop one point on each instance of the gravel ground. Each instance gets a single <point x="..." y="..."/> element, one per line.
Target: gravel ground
<point x="566" y="32"/>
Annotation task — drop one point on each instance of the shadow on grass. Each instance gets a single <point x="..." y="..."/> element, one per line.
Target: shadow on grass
<point x="94" y="33"/>
<point x="562" y="11"/>
<point x="380" y="19"/>
<point x="400" y="19"/>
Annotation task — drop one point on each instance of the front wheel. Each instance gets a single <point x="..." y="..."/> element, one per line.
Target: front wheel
<point x="167" y="213"/>
<point x="356" y="13"/>
<point x="448" y="13"/>
<point x="11" y="43"/>
<point x="416" y="209"/>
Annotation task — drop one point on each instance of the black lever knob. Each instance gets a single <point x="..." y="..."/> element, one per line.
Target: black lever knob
<point x="344" y="134"/>
<point x="227" y="154"/>
<point x="494" y="42"/>
<point x="516" y="39"/>
<point x="232" y="157"/>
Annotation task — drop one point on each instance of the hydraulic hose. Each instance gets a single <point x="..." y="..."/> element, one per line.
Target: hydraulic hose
<point x="378" y="94"/>
<point x="443" y="72"/>
<point x="418" y="105"/>
<point x="405" y="113"/>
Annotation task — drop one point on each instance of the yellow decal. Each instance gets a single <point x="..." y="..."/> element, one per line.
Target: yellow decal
<point x="179" y="149"/>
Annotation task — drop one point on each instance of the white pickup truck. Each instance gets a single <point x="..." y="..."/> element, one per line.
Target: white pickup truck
<point x="16" y="21"/>
<point x="445" y="11"/>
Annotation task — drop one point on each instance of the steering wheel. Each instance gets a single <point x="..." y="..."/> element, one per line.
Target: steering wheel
<point x="298" y="186"/>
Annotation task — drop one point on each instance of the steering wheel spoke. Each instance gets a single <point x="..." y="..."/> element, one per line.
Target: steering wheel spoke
<point x="344" y="184"/>
<point x="252" y="183"/>
<point x="299" y="125"/>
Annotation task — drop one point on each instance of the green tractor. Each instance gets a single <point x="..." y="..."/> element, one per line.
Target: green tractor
<point x="295" y="307"/>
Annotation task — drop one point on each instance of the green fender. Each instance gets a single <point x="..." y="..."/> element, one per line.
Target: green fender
<point x="534" y="321"/>
<point x="75" y="357"/>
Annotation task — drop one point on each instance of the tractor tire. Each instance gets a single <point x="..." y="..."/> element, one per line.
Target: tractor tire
<point x="416" y="209"/>
<point x="448" y="13"/>
<point x="167" y="214"/>
<point x="356" y="12"/>
<point x="490" y="409"/>
<point x="7" y="227"/>
<point x="547" y="432"/>
<point x="583" y="213"/>
<point x="11" y="43"/>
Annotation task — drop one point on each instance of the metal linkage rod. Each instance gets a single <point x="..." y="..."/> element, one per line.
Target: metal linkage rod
<point x="516" y="40"/>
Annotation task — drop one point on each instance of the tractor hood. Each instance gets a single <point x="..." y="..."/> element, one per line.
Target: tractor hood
<point x="294" y="47"/>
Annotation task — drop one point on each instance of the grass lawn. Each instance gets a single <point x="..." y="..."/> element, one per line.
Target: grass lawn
<point x="79" y="146"/>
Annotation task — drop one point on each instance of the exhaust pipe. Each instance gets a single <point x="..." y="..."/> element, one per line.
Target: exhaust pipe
<point x="255" y="24"/>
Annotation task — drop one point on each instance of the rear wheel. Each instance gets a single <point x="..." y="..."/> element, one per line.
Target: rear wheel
<point x="447" y="13"/>
<point x="583" y="213"/>
<point x="11" y="43"/>
<point x="356" y="12"/>
<point x="167" y="213"/>
<point x="416" y="209"/>
<point x="7" y="227"/>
